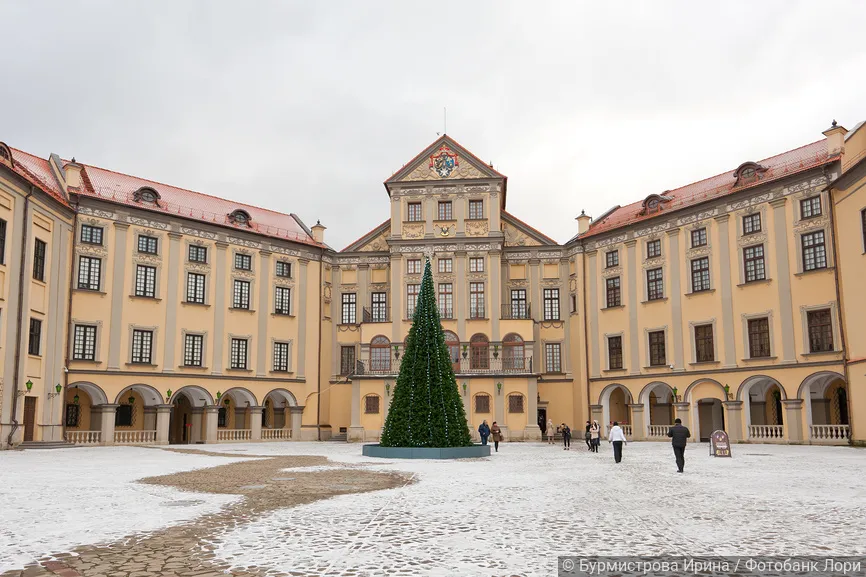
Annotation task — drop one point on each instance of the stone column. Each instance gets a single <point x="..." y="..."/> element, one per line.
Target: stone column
<point x="255" y="422"/>
<point x="211" y="413"/>
<point x="356" y="431"/>
<point x="163" y="418"/>
<point x="149" y="419"/>
<point x="532" y="431"/>
<point x="794" y="420"/>
<point x="107" y="414"/>
<point x="733" y="420"/>
<point x="296" y="415"/>
<point x="196" y="422"/>
<point x="638" y="424"/>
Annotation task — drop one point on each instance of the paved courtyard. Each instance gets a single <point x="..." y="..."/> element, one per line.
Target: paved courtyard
<point x="284" y="509"/>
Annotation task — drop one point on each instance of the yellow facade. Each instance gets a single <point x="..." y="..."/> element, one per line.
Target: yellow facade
<point x="724" y="306"/>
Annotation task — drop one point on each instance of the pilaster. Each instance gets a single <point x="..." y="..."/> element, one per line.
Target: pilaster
<point x="221" y="265"/>
<point x="638" y="424"/>
<point x="729" y="349"/>
<point x="676" y="298"/>
<point x="783" y="274"/>
<point x="210" y="415"/>
<point x="172" y="298"/>
<point x="263" y="309"/>
<point x="532" y="432"/>
<point x="106" y="421"/>
<point x="255" y="423"/>
<point x="163" y="419"/>
<point x="794" y="420"/>
<point x="297" y="414"/>
<point x="733" y="421"/>
<point x="117" y="296"/>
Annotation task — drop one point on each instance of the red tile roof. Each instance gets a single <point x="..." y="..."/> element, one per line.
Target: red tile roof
<point x="779" y="166"/>
<point x="38" y="172"/>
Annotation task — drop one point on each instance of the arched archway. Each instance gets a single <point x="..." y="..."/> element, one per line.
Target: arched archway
<point x="762" y="398"/>
<point x="281" y="415"/>
<point x="136" y="408"/>
<point x="825" y="400"/>
<point x="614" y="400"/>
<point x="235" y="407"/>
<point x="657" y="398"/>
<point x="705" y="398"/>
<point x="186" y="424"/>
<point x="81" y="418"/>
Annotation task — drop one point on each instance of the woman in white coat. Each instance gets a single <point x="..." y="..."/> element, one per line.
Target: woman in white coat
<point x="551" y="432"/>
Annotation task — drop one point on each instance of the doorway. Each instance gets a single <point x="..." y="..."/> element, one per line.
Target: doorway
<point x="711" y="417"/>
<point x="29" y="417"/>
<point x="542" y="421"/>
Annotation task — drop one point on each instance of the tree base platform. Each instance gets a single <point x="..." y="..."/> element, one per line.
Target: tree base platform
<point x="471" y="452"/>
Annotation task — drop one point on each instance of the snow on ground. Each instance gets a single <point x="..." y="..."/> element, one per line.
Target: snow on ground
<point x="53" y="501"/>
<point x="516" y="511"/>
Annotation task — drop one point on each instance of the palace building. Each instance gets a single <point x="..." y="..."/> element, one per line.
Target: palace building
<point x="134" y="312"/>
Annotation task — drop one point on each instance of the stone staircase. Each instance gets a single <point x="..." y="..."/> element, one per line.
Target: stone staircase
<point x="339" y="438"/>
<point x="46" y="445"/>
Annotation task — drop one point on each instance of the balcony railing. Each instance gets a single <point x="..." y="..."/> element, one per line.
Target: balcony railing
<point x="377" y="316"/>
<point x="516" y="311"/>
<point x="472" y="365"/>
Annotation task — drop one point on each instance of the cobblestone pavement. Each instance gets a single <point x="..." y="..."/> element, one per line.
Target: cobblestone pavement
<point x="185" y="550"/>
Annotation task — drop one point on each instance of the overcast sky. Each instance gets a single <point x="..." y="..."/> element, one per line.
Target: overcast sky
<point x="307" y="107"/>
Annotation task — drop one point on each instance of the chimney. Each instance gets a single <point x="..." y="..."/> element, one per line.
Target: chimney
<point x="835" y="139"/>
<point x="583" y="222"/>
<point x="318" y="232"/>
<point x="72" y="174"/>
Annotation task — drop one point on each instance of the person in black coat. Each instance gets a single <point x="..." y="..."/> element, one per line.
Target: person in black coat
<point x="679" y="435"/>
<point x="484" y="432"/>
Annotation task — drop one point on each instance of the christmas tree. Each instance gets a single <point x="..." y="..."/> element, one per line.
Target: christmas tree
<point x="426" y="410"/>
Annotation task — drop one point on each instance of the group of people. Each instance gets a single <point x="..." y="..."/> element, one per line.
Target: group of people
<point x="678" y="435"/>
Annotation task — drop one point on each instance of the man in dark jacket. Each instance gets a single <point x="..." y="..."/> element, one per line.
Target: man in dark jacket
<point x="678" y="434"/>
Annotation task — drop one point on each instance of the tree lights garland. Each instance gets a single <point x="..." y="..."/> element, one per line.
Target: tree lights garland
<point x="432" y="417"/>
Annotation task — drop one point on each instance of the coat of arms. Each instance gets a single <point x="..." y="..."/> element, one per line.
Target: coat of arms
<point x="444" y="161"/>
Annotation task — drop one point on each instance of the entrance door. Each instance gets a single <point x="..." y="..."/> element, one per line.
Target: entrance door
<point x="542" y="420"/>
<point x="29" y="417"/>
<point x="705" y="416"/>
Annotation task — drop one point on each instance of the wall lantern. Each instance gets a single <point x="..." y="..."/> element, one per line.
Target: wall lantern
<point x="227" y="401"/>
<point x="29" y="385"/>
<point x="58" y="388"/>
<point x="75" y="399"/>
<point x="499" y="388"/>
<point x="131" y="400"/>
<point x="219" y="394"/>
<point x="168" y="394"/>
<point x="388" y="389"/>
<point x="676" y="397"/>
<point x="397" y="352"/>
<point x="728" y="392"/>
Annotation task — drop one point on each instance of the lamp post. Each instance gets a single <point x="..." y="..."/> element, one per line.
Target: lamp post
<point x="51" y="396"/>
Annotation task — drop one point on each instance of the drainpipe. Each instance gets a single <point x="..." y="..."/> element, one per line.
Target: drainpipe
<point x="845" y="370"/>
<point x="68" y="328"/>
<point x="21" y="265"/>
<point x="319" y="347"/>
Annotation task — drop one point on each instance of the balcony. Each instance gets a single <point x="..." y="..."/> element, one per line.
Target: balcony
<point x="516" y="311"/>
<point x="376" y="316"/>
<point x="493" y="364"/>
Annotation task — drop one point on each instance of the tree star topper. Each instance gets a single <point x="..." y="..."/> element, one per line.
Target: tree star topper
<point x="444" y="161"/>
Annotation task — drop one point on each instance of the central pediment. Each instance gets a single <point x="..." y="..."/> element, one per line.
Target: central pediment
<point x="445" y="159"/>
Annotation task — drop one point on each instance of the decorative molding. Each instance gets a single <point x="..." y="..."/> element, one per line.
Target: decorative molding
<point x="96" y="212"/>
<point x="148" y="223"/>
<point x="611" y="272"/>
<point x="413" y="230"/>
<point x="244" y="242"/>
<point x="477" y="227"/>
<point x="751" y="239"/>
<point x="198" y="232"/>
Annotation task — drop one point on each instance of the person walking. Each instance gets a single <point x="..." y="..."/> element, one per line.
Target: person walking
<point x="679" y="435"/>
<point x="588" y="437"/>
<point x="497" y="435"/>
<point x="617" y="437"/>
<point x="594" y="432"/>
<point x="484" y="431"/>
<point x="566" y="437"/>
<point x="551" y="432"/>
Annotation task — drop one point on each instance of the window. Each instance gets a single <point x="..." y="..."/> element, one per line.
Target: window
<point x="445" y="212"/>
<point x="611" y="259"/>
<point x="476" y="264"/>
<point x="73" y="414"/>
<point x="2" y="241"/>
<point x="614" y="352"/>
<point x="479" y="356"/>
<point x="759" y="338"/>
<point x="482" y="403"/>
<point x="553" y="357"/>
<point x="413" y="266"/>
<point x="243" y="261"/>
<point x="347" y="360"/>
<point x="197" y="253"/>
<point x="89" y="273"/>
<point x="655" y="285"/>
<point x="573" y="303"/>
<point x="753" y="260"/>
<point x="34" y="345"/>
<point x="518" y="304"/>
<point x="283" y="301"/>
<point x="699" y="237"/>
<point x="380" y="354"/>
<point x="84" y="343"/>
<point x="551" y="304"/>
<point x="657" y="348"/>
<point x="810" y="207"/>
<point x="705" y="351"/>
<point x="752" y="223"/>
<point x="701" y="274"/>
<point x="284" y="269"/>
<point x="476" y="209"/>
<point x="513" y="352"/>
<point x="241" y="297"/>
<point x="222" y="417"/>
<point x="145" y="281"/>
<point x="239" y="354"/>
<point x="147" y="244"/>
<point x="142" y="346"/>
<point x="39" y="260"/>
<point x="814" y="251"/>
<point x="192" y="347"/>
<point x="239" y="216"/>
<point x="515" y="403"/>
<point x="371" y="404"/>
<point x="476" y="300"/>
<point x="281" y="357"/>
<point x="446" y="265"/>
<point x="654" y="248"/>
<point x="613" y="292"/>
<point x="446" y="300"/>
<point x="195" y="287"/>
<point x="380" y="308"/>
<point x="820" y="331"/>
<point x="412" y="291"/>
<point x="349" y="309"/>
<point x="123" y="416"/>
<point x="415" y="212"/>
<point x="91" y="234"/>
<point x="453" y="344"/>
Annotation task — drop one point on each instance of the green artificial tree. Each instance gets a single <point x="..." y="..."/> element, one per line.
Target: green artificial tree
<point x="426" y="410"/>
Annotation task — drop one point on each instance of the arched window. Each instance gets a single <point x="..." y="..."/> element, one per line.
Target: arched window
<point x="515" y="403"/>
<point x="380" y="354"/>
<point x="453" y="344"/>
<point x="479" y="357"/>
<point x="748" y="172"/>
<point x="240" y="217"/>
<point x="5" y="155"/>
<point x="146" y="195"/>
<point x="512" y="352"/>
<point x="482" y="403"/>
<point x="371" y="404"/>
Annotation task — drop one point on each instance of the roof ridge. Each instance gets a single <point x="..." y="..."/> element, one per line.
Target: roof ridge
<point x="529" y="226"/>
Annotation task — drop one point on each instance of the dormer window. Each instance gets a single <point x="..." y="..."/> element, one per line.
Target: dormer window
<point x="654" y="203"/>
<point x="146" y="195"/>
<point x="240" y="217"/>
<point x="748" y="172"/>
<point x="5" y="154"/>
